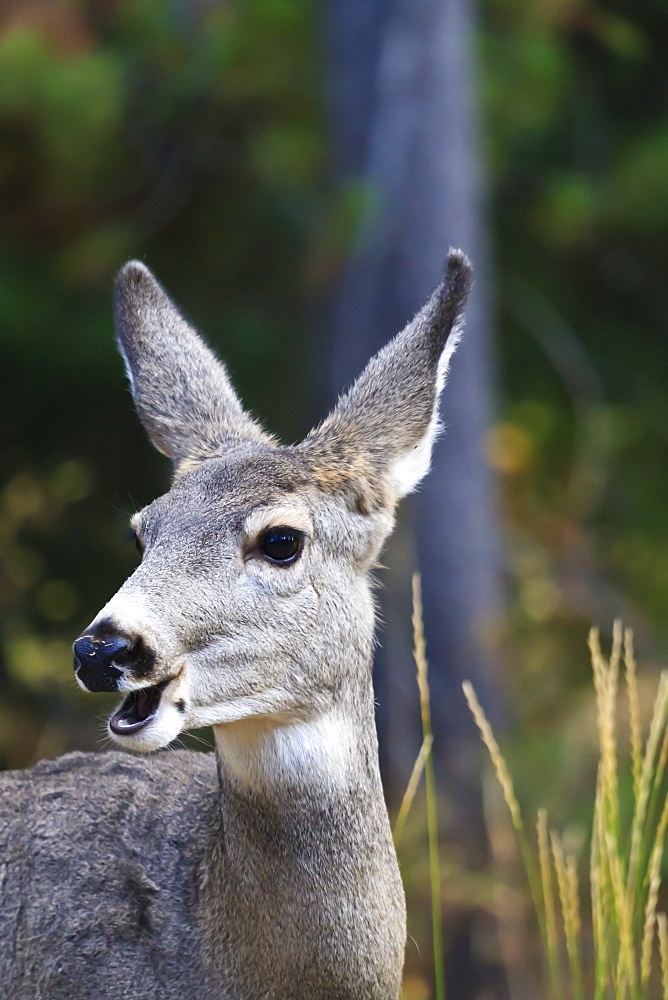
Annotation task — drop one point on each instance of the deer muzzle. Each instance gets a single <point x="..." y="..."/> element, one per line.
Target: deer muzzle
<point x="104" y="655"/>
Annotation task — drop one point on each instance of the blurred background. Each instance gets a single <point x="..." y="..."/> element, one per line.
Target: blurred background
<point x="294" y="172"/>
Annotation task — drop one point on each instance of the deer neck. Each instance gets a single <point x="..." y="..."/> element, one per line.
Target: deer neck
<point x="307" y="859"/>
<point x="298" y="765"/>
<point x="276" y="757"/>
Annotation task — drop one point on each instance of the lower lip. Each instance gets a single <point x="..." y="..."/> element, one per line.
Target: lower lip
<point x="121" y="723"/>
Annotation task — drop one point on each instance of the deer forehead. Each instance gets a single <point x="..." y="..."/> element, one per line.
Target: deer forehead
<point x="243" y="495"/>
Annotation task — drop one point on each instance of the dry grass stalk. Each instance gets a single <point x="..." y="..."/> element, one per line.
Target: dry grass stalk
<point x="650" y="912"/>
<point x="420" y="654"/>
<point x="663" y="757"/>
<point x="574" y="899"/>
<point x="660" y="767"/>
<point x="657" y="727"/>
<point x="625" y="861"/>
<point x="657" y="795"/>
<point x="411" y="788"/>
<point x="606" y="676"/>
<point x="567" y="883"/>
<point x="495" y="754"/>
<point x="507" y="787"/>
<point x="626" y="965"/>
<point x="548" y="896"/>
<point x="617" y="644"/>
<point x="653" y="894"/>
<point x="597" y="909"/>
<point x="609" y="914"/>
<point x="634" y="710"/>
<point x="662" y="931"/>
<point x="562" y="880"/>
<point x="662" y="826"/>
<point x="597" y="660"/>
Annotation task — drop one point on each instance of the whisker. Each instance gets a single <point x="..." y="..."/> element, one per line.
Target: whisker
<point x="198" y="739"/>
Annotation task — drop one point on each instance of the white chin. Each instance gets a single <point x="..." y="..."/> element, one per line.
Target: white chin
<point x="164" y="727"/>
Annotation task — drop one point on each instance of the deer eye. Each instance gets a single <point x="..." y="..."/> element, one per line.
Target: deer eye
<point x="132" y="536"/>
<point x="281" y="545"/>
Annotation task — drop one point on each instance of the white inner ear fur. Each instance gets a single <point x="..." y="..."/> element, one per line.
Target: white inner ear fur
<point x="409" y="468"/>
<point x="126" y="364"/>
<point x="292" y="515"/>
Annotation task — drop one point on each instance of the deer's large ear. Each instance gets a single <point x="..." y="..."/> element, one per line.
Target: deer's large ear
<point x="378" y="440"/>
<point x="182" y="392"/>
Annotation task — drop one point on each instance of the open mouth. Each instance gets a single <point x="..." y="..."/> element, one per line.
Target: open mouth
<point x="138" y="709"/>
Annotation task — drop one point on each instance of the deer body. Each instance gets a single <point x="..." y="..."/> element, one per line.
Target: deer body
<point x="265" y="870"/>
<point x="140" y="885"/>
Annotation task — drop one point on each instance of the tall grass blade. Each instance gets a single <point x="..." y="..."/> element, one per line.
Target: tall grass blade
<point x="650" y="914"/>
<point x="549" y="907"/>
<point x="625" y="857"/>
<point x="568" y="890"/>
<point x="411" y="789"/>
<point x="506" y="782"/>
<point x="606" y="676"/>
<point x="647" y="779"/>
<point x="662" y="931"/>
<point x="420" y="654"/>
<point x="634" y="711"/>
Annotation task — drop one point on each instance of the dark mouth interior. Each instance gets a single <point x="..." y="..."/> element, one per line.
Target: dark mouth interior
<point x="137" y="710"/>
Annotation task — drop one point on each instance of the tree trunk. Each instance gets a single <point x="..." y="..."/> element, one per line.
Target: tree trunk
<point x="404" y="120"/>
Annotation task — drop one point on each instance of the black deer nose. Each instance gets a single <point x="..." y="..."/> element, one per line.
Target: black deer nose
<point x="97" y="658"/>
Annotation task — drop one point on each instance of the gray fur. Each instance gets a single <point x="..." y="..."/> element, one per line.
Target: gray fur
<point x="390" y="405"/>
<point x="266" y="870"/>
<point x="393" y="405"/>
<point x="182" y="392"/>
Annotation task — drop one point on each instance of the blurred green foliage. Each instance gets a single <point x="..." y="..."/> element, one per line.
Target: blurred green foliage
<point x="189" y="136"/>
<point x="575" y="136"/>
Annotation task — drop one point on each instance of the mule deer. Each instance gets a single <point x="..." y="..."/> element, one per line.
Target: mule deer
<point x="266" y="870"/>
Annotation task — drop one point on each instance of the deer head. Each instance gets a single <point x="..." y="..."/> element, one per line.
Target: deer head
<point x="252" y="599"/>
